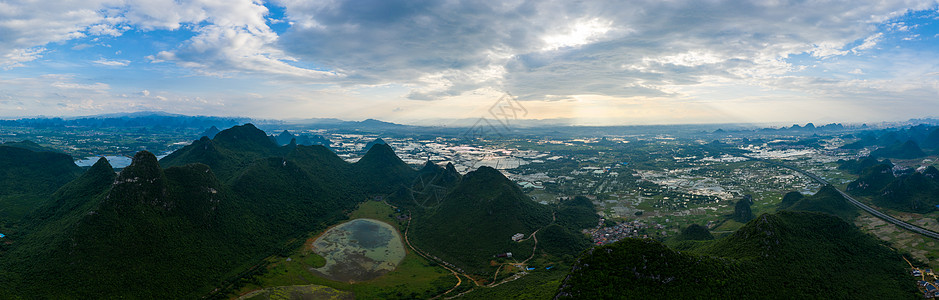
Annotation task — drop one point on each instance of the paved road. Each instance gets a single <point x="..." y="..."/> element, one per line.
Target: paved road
<point x="860" y="205"/>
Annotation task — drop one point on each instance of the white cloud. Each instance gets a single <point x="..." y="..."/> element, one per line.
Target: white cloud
<point x="537" y="50"/>
<point x="112" y="63"/>
<point x="869" y="42"/>
<point x="638" y="48"/>
<point x="26" y="26"/>
<point x="69" y="95"/>
<point x="222" y="50"/>
<point x="232" y="36"/>
<point x="828" y="49"/>
<point x="580" y="33"/>
<point x="97" y="86"/>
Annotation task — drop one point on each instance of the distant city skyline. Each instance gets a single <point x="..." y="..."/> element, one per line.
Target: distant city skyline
<point x="417" y="62"/>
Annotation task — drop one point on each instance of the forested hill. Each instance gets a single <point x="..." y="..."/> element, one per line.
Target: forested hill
<point x="788" y="255"/>
<point x="29" y="174"/>
<point x="229" y="152"/>
<point x="183" y="226"/>
<point x="895" y="188"/>
<point x="477" y="219"/>
<point x="381" y="171"/>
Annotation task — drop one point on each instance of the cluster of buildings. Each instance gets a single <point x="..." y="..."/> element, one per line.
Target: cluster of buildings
<point x="602" y="235"/>
<point x="930" y="289"/>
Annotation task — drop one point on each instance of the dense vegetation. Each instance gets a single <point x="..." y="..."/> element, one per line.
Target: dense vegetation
<point x="694" y="232"/>
<point x="902" y="143"/>
<point x="789" y="199"/>
<point x="477" y="220"/>
<point x="859" y="165"/>
<point x="181" y="231"/>
<point x="914" y="192"/>
<point x="577" y="213"/>
<point x="742" y="211"/>
<point x="907" y="150"/>
<point x="899" y="189"/>
<point x="788" y="255"/>
<point x="827" y="200"/>
<point x="872" y="179"/>
<point x="29" y="174"/>
<point x="380" y="171"/>
<point x="285" y="138"/>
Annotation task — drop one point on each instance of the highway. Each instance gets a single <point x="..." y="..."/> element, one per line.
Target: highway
<point x="868" y="209"/>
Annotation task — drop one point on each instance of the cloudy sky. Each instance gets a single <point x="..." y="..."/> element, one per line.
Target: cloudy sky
<point x="590" y="62"/>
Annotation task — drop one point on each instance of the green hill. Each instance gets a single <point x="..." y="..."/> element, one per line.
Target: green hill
<point x="907" y="150"/>
<point x="181" y="227"/>
<point x="916" y="192"/>
<point x="368" y="146"/>
<point x="694" y="232"/>
<point x="150" y="228"/>
<point x="742" y="211"/>
<point x="429" y="188"/>
<point x="29" y="174"/>
<point x="29" y="145"/>
<point x="932" y="140"/>
<point x="179" y="231"/>
<point x="477" y="220"/>
<point x="210" y="132"/>
<point x="228" y="153"/>
<point x="911" y="192"/>
<point x="788" y="255"/>
<point x="144" y="230"/>
<point x="284" y="138"/>
<point x="577" y="213"/>
<point x="288" y="197"/>
<point x="381" y="171"/>
<point x="324" y="164"/>
<point x="872" y="180"/>
<point x="856" y="166"/>
<point x="789" y="199"/>
<point x="827" y="200"/>
<point x="560" y="241"/>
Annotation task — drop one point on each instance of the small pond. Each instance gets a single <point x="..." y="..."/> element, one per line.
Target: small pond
<point x="359" y="250"/>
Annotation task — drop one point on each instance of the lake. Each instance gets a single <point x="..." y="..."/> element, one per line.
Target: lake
<point x="116" y="161"/>
<point x="359" y="250"/>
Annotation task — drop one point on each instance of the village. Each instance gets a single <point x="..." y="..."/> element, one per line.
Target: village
<point x="929" y="288"/>
<point x="602" y="234"/>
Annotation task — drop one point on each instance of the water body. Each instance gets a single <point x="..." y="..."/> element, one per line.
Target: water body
<point x="116" y="161"/>
<point x="359" y="250"/>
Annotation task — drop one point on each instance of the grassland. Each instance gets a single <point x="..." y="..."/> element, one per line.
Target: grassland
<point x="539" y="284"/>
<point x="414" y="277"/>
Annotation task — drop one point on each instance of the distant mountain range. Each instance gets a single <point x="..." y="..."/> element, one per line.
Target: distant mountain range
<point x="160" y="118"/>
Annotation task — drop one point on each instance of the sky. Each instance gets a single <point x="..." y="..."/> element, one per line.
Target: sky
<point x="431" y="62"/>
